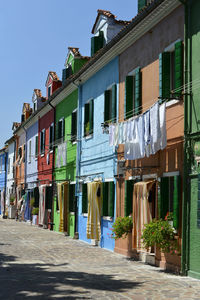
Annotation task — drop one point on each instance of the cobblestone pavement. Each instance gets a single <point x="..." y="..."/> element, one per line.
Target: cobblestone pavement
<point x="39" y="264"/>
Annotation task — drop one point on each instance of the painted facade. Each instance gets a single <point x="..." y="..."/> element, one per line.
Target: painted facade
<point x="167" y="162"/>
<point x="10" y="190"/>
<point x="3" y="180"/>
<point x="96" y="159"/>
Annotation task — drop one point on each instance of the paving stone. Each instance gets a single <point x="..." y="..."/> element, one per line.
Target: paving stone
<point x="40" y="264"/>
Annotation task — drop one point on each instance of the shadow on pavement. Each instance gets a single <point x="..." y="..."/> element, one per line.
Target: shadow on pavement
<point x="46" y="281"/>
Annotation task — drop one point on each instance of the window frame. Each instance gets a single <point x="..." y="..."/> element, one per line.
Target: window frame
<point x="90" y="131"/>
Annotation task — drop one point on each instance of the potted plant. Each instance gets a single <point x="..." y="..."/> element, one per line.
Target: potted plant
<point x="35" y="213"/>
<point x="12" y="199"/>
<point x="122" y="227"/>
<point x="161" y="234"/>
<point x="169" y="218"/>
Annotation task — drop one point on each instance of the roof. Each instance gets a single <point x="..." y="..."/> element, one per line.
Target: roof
<point x="26" y="106"/>
<point x="16" y="124"/>
<point x="53" y="75"/>
<point x="75" y="51"/>
<point x="38" y="93"/>
<point x="108" y="14"/>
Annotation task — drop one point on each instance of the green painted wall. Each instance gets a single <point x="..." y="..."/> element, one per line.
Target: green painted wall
<point x="64" y="110"/>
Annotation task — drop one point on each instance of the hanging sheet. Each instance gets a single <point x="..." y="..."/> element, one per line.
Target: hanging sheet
<point x="142" y="213"/>
<point x="94" y="210"/>
<point x="61" y="155"/>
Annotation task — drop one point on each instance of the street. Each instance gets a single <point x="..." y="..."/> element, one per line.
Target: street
<point x="41" y="264"/>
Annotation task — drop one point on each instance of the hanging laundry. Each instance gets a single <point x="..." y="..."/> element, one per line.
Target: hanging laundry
<point x="94" y="210"/>
<point x="163" y="139"/>
<point x="116" y="136"/>
<point x="61" y="155"/>
<point x="120" y="139"/>
<point x="124" y="132"/>
<point x="111" y="135"/>
<point x="155" y="128"/>
<point x="147" y="139"/>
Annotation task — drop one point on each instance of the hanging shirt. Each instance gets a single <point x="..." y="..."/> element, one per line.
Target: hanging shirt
<point x="116" y="134"/>
<point x="147" y="139"/>
<point x="111" y="135"/>
<point x="120" y="134"/>
<point x="155" y="128"/>
<point x="162" y="114"/>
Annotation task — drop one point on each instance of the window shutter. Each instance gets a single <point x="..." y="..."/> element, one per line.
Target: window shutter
<point x="141" y="4"/>
<point x="94" y="45"/>
<point x="164" y="196"/>
<point x="128" y="203"/>
<point x="176" y="201"/>
<point x="105" y="198"/>
<point x="63" y="129"/>
<point x="128" y="97"/>
<point x="71" y="197"/>
<point x="49" y="197"/>
<point x="69" y="71"/>
<point x="41" y="141"/>
<point x="91" y="110"/>
<point x="84" y="199"/>
<point x="86" y="116"/>
<point x="36" y="146"/>
<point x="74" y="126"/>
<point x="111" y="198"/>
<point x="106" y="105"/>
<point x="64" y="75"/>
<point x="159" y="200"/>
<point x="138" y="91"/>
<point x="114" y="103"/>
<point x="164" y="69"/>
<point x="178" y="66"/>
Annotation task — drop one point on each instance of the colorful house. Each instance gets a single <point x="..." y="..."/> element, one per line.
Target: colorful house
<point x="3" y="180"/>
<point x="65" y="149"/>
<point x="96" y="160"/>
<point x="191" y="204"/>
<point x="150" y="185"/>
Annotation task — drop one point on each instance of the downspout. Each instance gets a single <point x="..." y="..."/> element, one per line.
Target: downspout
<point x="54" y="138"/>
<point x="185" y="206"/>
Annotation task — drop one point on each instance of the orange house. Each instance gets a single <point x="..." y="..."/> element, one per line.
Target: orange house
<point x="147" y="70"/>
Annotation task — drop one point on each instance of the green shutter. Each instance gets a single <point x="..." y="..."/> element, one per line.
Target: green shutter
<point x="176" y="201"/>
<point x="141" y="4"/>
<point x="164" y="196"/>
<point x="63" y="129"/>
<point x="138" y="91"/>
<point x="91" y="113"/>
<point x="64" y="75"/>
<point x="105" y="198"/>
<point x="73" y="126"/>
<point x="92" y="45"/>
<point x="97" y="42"/>
<point x="71" y="197"/>
<point x="84" y="198"/>
<point x="101" y="40"/>
<point x="165" y="75"/>
<point x="129" y="97"/>
<point x="106" y="105"/>
<point x="36" y="146"/>
<point x="128" y="203"/>
<point x="111" y="199"/>
<point x="159" y="200"/>
<point x="86" y="117"/>
<point x="178" y="66"/>
<point x="114" y="103"/>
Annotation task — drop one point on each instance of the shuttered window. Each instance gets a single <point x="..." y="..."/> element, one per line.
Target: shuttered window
<point x="71" y="197"/>
<point x="61" y="130"/>
<point x="66" y="73"/>
<point x="133" y="94"/>
<point x="84" y="199"/>
<point x="97" y="42"/>
<point x="110" y="104"/>
<point x="36" y="146"/>
<point x="51" y="136"/>
<point x="74" y="126"/>
<point x="29" y="154"/>
<point x="108" y="199"/>
<point x="171" y="71"/>
<point x="42" y="141"/>
<point x="170" y="197"/>
<point x="88" y="117"/>
<point x="128" y="201"/>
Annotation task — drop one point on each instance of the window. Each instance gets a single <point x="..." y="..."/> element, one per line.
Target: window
<point x="74" y="126"/>
<point x="36" y="146"/>
<point x="49" y="91"/>
<point x="72" y="198"/>
<point x="51" y="136"/>
<point x="35" y="106"/>
<point x="9" y="165"/>
<point x="29" y="152"/>
<point x="108" y="198"/>
<point x="88" y="118"/>
<point x="110" y="104"/>
<point x="133" y="94"/>
<point x="61" y="130"/>
<point x="171" y="71"/>
<point x="42" y="141"/>
<point x="66" y="73"/>
<point x="84" y="198"/>
<point x="128" y="201"/>
<point x="97" y="42"/>
<point x="170" y="198"/>
<point x="24" y="153"/>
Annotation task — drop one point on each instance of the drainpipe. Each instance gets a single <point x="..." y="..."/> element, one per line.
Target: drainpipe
<point x="54" y="138"/>
<point x="187" y="129"/>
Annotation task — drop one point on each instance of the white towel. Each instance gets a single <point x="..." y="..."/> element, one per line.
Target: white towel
<point x="120" y="134"/>
<point x="116" y="134"/>
<point x="155" y="128"/>
<point x="147" y="139"/>
<point x="111" y="135"/>
<point x="124" y="132"/>
<point x="163" y="139"/>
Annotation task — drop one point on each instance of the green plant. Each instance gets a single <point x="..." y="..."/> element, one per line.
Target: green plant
<point x="32" y="202"/>
<point x="35" y="211"/>
<point x="161" y="234"/>
<point x="169" y="216"/>
<point x="12" y="199"/>
<point x="121" y="227"/>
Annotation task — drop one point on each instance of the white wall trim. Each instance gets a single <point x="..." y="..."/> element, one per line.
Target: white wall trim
<point x="171" y="174"/>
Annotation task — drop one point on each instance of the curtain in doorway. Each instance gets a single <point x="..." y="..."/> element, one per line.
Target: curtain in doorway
<point x="42" y="217"/>
<point x="62" y="190"/>
<point x="142" y="212"/>
<point x="94" y="210"/>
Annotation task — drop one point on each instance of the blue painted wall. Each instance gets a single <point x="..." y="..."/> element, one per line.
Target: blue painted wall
<point x="32" y="166"/>
<point x="3" y="173"/>
<point x="94" y="154"/>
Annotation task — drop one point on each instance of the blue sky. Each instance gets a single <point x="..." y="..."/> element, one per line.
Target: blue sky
<point x="34" y="39"/>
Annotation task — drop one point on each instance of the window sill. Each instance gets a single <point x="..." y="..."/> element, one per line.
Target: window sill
<point x="85" y="215"/>
<point x="172" y="102"/>
<point x="88" y="137"/>
<point x="42" y="155"/>
<point x="72" y="213"/>
<point x="51" y="151"/>
<point x="74" y="143"/>
<point x="108" y="218"/>
<point x="36" y="158"/>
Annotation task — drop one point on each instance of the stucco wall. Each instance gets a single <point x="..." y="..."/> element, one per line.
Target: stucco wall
<point x="31" y="166"/>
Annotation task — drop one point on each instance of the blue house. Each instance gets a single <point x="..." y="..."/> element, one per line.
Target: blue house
<point x="3" y="179"/>
<point x="96" y="159"/>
